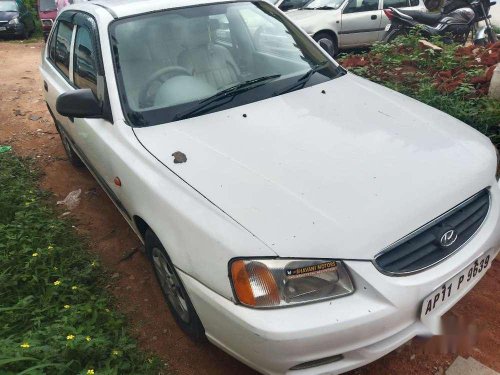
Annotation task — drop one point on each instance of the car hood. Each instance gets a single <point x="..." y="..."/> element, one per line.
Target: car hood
<point x="7" y="16"/>
<point x="339" y="174"/>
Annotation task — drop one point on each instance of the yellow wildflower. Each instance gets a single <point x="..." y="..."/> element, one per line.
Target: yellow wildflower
<point x="25" y="345"/>
<point x="50" y="247"/>
<point x="90" y="372"/>
<point x="115" y="352"/>
<point x="70" y="337"/>
<point x="107" y="310"/>
<point x="74" y="287"/>
<point x="88" y="338"/>
<point x="34" y="254"/>
<point x="57" y="282"/>
<point x="94" y="263"/>
<point x="67" y="306"/>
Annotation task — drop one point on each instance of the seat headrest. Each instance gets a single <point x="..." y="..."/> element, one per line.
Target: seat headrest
<point x="197" y="33"/>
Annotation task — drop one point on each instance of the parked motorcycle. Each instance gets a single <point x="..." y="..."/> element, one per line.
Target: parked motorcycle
<point x="455" y="23"/>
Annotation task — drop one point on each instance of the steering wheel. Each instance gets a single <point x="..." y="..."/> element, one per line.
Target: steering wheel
<point x="147" y="93"/>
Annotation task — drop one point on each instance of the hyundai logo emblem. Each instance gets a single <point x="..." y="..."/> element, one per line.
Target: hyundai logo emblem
<point x="448" y="238"/>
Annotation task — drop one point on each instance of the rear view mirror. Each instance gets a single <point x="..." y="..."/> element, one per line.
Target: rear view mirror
<point x="80" y="104"/>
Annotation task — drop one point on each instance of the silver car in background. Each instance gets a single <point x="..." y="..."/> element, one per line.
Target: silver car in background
<point x="339" y="24"/>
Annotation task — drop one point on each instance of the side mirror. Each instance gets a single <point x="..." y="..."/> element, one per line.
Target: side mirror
<point x="80" y="104"/>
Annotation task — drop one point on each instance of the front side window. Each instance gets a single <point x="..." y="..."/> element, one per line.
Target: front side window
<point x="355" y="6"/>
<point x="62" y="47"/>
<point x="8" y="6"/>
<point x="84" y="61"/>
<point x="210" y="58"/>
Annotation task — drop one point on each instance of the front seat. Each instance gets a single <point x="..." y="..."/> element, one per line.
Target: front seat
<point x="204" y="59"/>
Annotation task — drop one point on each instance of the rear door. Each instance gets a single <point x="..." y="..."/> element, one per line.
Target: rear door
<point x="361" y="23"/>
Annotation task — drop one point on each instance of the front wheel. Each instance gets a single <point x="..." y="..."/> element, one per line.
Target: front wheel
<point x="73" y="158"/>
<point x="174" y="292"/>
<point x="327" y="42"/>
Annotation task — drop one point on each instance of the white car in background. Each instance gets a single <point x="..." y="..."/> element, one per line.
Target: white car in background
<point x="340" y="24"/>
<point x="303" y="219"/>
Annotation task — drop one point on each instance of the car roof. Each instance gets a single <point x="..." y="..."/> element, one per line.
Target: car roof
<point x="125" y="8"/>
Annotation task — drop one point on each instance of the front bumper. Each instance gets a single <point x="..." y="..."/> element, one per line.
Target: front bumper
<point x="380" y="316"/>
<point x="12" y="30"/>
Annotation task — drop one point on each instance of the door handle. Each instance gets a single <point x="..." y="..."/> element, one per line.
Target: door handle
<point x="374" y="17"/>
<point x="45" y="86"/>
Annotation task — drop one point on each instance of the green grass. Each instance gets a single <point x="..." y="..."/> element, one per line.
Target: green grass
<point x="55" y="317"/>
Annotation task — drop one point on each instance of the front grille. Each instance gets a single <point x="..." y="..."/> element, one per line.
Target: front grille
<point x="3" y="23"/>
<point x="436" y="240"/>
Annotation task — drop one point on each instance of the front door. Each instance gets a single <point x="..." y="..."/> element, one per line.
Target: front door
<point x="361" y="20"/>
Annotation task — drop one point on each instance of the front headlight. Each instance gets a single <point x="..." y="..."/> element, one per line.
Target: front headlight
<point x="264" y="283"/>
<point x="14" y="21"/>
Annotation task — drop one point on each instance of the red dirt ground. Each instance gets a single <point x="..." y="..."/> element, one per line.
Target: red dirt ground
<point x="132" y="281"/>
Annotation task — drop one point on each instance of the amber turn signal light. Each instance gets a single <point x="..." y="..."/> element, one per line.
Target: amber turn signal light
<point x="254" y="284"/>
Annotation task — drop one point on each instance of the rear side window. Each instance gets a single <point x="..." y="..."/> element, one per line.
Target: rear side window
<point x="63" y="46"/>
<point x="84" y="61"/>
<point x="396" y="3"/>
<point x="52" y="45"/>
<point x="356" y="6"/>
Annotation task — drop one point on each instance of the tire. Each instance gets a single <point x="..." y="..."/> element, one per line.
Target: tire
<point x="492" y="36"/>
<point x="394" y="34"/>
<point x="73" y="158"/>
<point x="327" y="42"/>
<point x="173" y="290"/>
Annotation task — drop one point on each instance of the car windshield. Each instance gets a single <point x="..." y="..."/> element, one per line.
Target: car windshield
<point x="8" y="6"/>
<point x="324" y="4"/>
<point x="186" y="62"/>
<point x="47" y="5"/>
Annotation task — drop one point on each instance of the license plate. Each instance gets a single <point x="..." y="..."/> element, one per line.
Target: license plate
<point x="387" y="27"/>
<point x="3" y="28"/>
<point x="456" y="285"/>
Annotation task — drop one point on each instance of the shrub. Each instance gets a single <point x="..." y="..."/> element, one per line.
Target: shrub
<point x="55" y="316"/>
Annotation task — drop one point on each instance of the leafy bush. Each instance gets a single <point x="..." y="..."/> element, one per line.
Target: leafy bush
<point x="455" y="80"/>
<point x="55" y="317"/>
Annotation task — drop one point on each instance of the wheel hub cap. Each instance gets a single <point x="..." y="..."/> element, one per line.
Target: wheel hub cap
<point x="170" y="284"/>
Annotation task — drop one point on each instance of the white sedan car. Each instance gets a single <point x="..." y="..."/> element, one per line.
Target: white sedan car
<point x="340" y="24"/>
<point x="301" y="218"/>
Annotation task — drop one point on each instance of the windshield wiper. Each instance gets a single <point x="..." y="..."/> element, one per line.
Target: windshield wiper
<point x="324" y="7"/>
<point x="302" y="81"/>
<point x="204" y="105"/>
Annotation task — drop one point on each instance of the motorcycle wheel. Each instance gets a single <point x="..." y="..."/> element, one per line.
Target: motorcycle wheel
<point x="394" y="34"/>
<point x="492" y="36"/>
